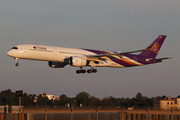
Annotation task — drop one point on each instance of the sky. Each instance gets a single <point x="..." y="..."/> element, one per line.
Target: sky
<point x="116" y="25"/>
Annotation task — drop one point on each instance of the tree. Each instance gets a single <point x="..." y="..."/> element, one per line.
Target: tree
<point x="30" y="99"/>
<point x="7" y="97"/>
<point x="25" y="100"/>
<point x="83" y="98"/>
<point x="178" y="96"/>
<point x="64" y="100"/>
<point x="113" y="101"/>
<point x="139" y="95"/>
<point x="158" y="98"/>
<point x="105" y="102"/>
<point x="49" y="103"/>
<point x="94" y="101"/>
<point x="42" y="100"/>
<point x="124" y="102"/>
<point x="163" y="97"/>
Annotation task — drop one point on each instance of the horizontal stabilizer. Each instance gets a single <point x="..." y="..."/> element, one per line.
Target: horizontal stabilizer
<point x="160" y="59"/>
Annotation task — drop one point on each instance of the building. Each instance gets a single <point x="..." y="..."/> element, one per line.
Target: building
<point x="57" y="98"/>
<point x="167" y="104"/>
<point x="50" y="97"/>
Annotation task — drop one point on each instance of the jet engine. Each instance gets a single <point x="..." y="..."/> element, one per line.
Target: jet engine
<point x="56" y="64"/>
<point x="78" y="61"/>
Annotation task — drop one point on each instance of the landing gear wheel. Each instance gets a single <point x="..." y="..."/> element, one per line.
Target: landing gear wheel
<point x="89" y="71"/>
<point x="16" y="59"/>
<point x="17" y="64"/>
<point x="78" y="71"/>
<point x="83" y="71"/>
<point x="94" y="70"/>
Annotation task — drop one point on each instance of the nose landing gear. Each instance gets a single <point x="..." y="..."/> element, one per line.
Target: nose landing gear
<point x="16" y="59"/>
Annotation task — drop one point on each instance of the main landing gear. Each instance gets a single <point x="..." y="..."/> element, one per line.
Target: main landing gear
<point x="88" y="71"/>
<point x="92" y="71"/>
<point x="16" y="59"/>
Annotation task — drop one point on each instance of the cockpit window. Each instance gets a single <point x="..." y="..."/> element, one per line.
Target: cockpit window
<point x="14" y="48"/>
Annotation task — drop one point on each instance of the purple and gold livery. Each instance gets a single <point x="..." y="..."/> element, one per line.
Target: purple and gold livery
<point x="147" y="56"/>
<point x="58" y="57"/>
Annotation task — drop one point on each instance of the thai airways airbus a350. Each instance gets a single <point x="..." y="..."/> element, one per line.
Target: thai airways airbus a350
<point x="59" y="57"/>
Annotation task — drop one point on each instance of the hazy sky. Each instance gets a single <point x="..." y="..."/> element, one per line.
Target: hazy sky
<point x="116" y="25"/>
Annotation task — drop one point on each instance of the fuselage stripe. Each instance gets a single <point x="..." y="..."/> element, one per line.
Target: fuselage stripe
<point x="120" y="62"/>
<point x="97" y="51"/>
<point x="129" y="62"/>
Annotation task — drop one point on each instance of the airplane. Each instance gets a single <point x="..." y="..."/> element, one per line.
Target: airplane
<point x="59" y="57"/>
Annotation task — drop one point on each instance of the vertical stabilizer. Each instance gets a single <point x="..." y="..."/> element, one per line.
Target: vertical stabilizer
<point x="154" y="47"/>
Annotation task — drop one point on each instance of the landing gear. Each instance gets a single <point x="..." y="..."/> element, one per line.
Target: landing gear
<point x="16" y="59"/>
<point x="81" y="71"/>
<point x="88" y="71"/>
<point x="92" y="71"/>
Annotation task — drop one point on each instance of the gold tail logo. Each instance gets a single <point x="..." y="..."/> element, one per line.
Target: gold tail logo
<point x="155" y="48"/>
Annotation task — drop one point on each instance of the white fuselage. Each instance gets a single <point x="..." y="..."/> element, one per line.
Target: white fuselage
<point x="45" y="53"/>
<point x="55" y="54"/>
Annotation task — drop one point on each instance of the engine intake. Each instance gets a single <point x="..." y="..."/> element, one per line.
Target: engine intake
<point x="78" y="61"/>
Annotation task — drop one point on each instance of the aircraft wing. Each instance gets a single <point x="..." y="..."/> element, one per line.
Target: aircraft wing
<point x="115" y="53"/>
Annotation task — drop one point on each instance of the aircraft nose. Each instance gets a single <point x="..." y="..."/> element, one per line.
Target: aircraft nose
<point x="10" y="53"/>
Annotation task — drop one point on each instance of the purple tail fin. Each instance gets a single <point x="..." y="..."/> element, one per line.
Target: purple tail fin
<point x="154" y="47"/>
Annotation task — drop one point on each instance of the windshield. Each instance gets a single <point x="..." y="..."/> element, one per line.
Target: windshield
<point x="14" y="48"/>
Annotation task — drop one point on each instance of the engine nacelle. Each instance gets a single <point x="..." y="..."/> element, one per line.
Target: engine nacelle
<point x="56" y="64"/>
<point x="78" y="61"/>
